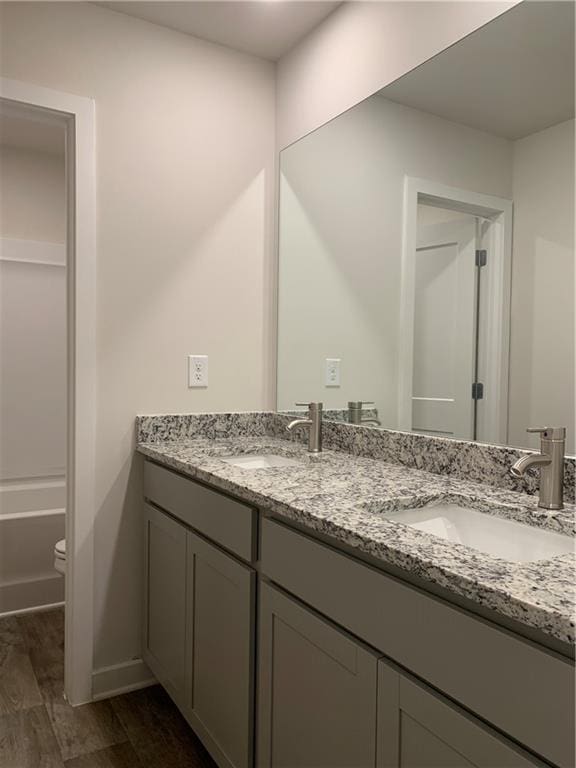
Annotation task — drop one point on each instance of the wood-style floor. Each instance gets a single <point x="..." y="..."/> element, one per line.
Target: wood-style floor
<point x="39" y="729"/>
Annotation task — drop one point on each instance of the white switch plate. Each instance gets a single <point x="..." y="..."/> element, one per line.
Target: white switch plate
<point x="332" y="377"/>
<point x="197" y="371"/>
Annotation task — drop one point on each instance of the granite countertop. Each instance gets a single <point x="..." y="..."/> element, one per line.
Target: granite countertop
<point x="345" y="497"/>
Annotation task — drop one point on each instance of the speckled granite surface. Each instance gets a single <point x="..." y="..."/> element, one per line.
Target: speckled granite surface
<point x="333" y="414"/>
<point x="186" y="426"/>
<point x="346" y="497"/>
<point x="487" y="464"/>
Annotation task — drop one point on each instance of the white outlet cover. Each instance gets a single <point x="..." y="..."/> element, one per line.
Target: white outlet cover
<point x="332" y="372"/>
<point x="197" y="371"/>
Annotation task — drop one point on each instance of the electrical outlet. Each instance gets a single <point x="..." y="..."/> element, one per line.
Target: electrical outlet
<point x="197" y="371"/>
<point x="332" y="374"/>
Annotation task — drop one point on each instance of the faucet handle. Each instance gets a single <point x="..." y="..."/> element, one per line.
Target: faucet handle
<point x="551" y="433"/>
<point x="309" y="405"/>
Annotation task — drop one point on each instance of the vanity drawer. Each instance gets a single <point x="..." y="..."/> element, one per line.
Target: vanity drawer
<point x="218" y="517"/>
<point x="510" y="682"/>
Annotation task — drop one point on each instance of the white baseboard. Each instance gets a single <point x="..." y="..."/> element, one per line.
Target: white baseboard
<point x="31" y="595"/>
<point x="33" y="609"/>
<point x="121" y="678"/>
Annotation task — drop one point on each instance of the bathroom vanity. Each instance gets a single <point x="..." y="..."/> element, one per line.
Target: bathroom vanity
<point x="295" y="624"/>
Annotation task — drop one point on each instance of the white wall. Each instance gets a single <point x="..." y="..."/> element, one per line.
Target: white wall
<point x="185" y="151"/>
<point x="32" y="314"/>
<point x="32" y="205"/>
<point x="542" y="382"/>
<point x="33" y="370"/>
<point x="362" y="47"/>
<point x="428" y="214"/>
<point x="341" y="242"/>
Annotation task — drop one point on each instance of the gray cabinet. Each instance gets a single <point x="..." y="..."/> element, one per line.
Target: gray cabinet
<point x="165" y="601"/>
<point x="228" y="522"/>
<point x="508" y="681"/>
<point x="418" y="728"/>
<point x="317" y="690"/>
<point x="199" y="635"/>
<point x="220" y="611"/>
<point x="325" y="699"/>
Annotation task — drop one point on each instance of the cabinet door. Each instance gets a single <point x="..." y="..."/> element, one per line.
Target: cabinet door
<point x="418" y="728"/>
<point x="220" y="661"/>
<point x="317" y="690"/>
<point x="165" y="600"/>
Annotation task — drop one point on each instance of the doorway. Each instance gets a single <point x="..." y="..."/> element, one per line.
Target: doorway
<point x="71" y="117"/>
<point x="455" y="299"/>
<point x="33" y="351"/>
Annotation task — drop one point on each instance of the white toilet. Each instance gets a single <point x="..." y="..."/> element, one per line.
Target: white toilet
<point x="60" y="556"/>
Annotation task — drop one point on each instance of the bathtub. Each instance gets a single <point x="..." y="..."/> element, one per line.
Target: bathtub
<point x="32" y="520"/>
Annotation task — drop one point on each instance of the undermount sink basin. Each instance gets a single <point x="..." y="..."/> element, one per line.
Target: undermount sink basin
<point x="260" y="461"/>
<point x="487" y="533"/>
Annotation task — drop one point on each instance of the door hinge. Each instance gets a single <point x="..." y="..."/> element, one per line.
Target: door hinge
<point x="477" y="391"/>
<point x="481" y="258"/>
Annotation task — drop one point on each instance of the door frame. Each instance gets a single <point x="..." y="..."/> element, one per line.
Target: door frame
<point x="77" y="114"/>
<point x="499" y="211"/>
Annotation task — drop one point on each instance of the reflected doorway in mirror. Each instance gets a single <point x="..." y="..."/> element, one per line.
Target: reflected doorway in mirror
<point x="454" y="313"/>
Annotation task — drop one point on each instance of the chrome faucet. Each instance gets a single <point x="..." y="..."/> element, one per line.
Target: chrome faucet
<point x="314" y="424"/>
<point x="355" y="413"/>
<point x="551" y="463"/>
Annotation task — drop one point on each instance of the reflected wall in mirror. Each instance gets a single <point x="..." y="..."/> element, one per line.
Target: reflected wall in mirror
<point x="427" y="243"/>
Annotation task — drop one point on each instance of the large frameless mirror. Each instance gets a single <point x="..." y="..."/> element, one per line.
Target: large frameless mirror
<point x="426" y="275"/>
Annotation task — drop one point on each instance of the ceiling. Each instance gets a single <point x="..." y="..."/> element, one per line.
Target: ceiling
<point x="30" y="134"/>
<point x="268" y="28"/>
<point x="513" y="77"/>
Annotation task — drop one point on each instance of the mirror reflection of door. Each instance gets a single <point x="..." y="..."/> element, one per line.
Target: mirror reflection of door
<point x="445" y="336"/>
